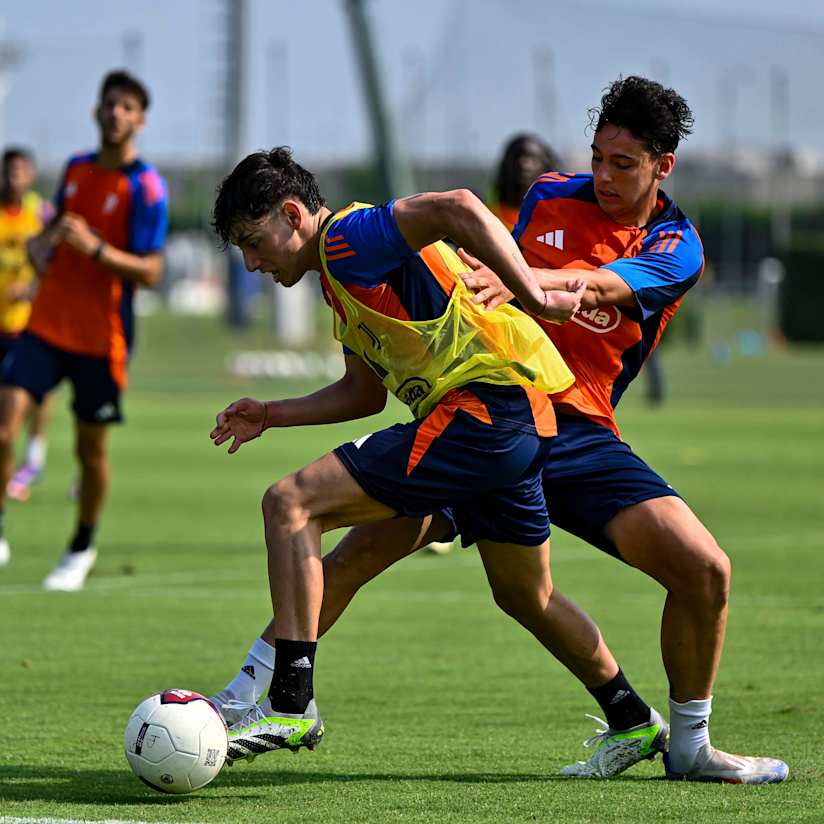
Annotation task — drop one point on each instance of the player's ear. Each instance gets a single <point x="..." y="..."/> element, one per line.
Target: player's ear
<point x="291" y="211"/>
<point x="666" y="163"/>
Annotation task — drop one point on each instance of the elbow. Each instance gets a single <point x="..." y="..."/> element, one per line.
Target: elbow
<point x="376" y="403"/>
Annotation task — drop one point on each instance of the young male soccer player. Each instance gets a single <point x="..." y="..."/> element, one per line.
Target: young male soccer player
<point x="481" y="426"/>
<point x="23" y="213"/>
<point x="105" y="241"/>
<point x="638" y="254"/>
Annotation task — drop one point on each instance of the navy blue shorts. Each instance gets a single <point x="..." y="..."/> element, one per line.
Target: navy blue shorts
<point x="590" y="476"/>
<point x="38" y="367"/>
<point x="488" y="474"/>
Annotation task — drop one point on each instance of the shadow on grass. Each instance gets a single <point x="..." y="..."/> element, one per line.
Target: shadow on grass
<point x="27" y="782"/>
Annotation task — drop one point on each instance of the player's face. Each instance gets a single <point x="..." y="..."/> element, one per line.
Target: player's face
<point x="273" y="245"/>
<point x="626" y="174"/>
<point x="119" y="116"/>
<point x="531" y="163"/>
<point x="18" y="176"/>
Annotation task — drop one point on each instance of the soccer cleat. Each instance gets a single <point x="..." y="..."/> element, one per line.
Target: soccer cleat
<point x="19" y="487"/>
<point x="228" y="708"/>
<point x="724" y="768"/>
<point x="5" y="552"/>
<point x="263" y="730"/>
<point x="440" y="547"/>
<point x="618" y="750"/>
<point x="71" y="571"/>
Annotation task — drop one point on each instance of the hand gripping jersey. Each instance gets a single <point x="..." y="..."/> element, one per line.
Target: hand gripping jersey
<point x="562" y="226"/>
<point x="81" y="306"/>
<point x="420" y="360"/>
<point x="17" y="225"/>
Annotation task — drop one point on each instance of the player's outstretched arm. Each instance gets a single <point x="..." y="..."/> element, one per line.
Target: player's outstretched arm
<point x="602" y="287"/>
<point x="423" y="219"/>
<point x="357" y="394"/>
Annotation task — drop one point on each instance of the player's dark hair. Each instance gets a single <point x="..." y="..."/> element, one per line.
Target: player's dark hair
<point x="14" y="153"/>
<point x="258" y="184"/>
<point x="508" y="187"/>
<point x="657" y="116"/>
<point x="121" y="79"/>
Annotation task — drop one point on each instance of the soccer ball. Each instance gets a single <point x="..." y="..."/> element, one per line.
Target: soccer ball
<point x="176" y="741"/>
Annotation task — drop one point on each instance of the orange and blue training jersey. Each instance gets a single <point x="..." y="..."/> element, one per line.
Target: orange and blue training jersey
<point x="368" y="255"/>
<point x="81" y="306"/>
<point x="562" y="226"/>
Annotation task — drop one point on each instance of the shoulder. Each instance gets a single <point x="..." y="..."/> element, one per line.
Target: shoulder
<point x="672" y="233"/>
<point x="147" y="182"/>
<point x="552" y="185"/>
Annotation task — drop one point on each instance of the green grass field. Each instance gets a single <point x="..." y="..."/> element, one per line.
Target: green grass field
<point x="438" y="707"/>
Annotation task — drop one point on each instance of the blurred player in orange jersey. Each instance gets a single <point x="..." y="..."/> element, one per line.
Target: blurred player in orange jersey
<point x="106" y="240"/>
<point x="525" y="157"/>
<point x="23" y="214"/>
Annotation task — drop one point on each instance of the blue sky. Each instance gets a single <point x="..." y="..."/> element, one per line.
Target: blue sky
<point x="462" y="75"/>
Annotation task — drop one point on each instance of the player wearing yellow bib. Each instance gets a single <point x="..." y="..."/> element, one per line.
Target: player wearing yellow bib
<point x="23" y="213"/>
<point x="475" y="381"/>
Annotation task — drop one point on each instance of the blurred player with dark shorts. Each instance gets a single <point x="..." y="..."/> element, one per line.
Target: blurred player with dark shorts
<point x="106" y="241"/>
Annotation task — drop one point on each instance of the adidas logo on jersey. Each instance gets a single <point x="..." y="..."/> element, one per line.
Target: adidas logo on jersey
<point x="554" y="239"/>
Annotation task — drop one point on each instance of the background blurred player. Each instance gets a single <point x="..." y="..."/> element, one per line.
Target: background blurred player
<point x="525" y="156"/>
<point x="105" y="241"/>
<point x="23" y="214"/>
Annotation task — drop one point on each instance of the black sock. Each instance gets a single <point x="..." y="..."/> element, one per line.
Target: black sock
<point x="291" y="689"/>
<point x="82" y="538"/>
<point x="2" y="522"/>
<point x="622" y="706"/>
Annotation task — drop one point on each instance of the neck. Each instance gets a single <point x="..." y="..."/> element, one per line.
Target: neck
<point x="10" y="198"/>
<point x="642" y="212"/>
<point x="313" y="246"/>
<point x="113" y="157"/>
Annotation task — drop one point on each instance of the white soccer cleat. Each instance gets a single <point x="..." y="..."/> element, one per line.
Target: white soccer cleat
<point x="440" y="547"/>
<point x="263" y="730"/>
<point x="723" y="767"/>
<point x="5" y="552"/>
<point x="618" y="750"/>
<point x="71" y="571"/>
<point x="230" y="709"/>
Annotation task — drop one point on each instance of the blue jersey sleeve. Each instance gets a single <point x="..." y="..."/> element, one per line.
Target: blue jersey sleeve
<point x="670" y="262"/>
<point x="149" y="216"/>
<point x="365" y="246"/>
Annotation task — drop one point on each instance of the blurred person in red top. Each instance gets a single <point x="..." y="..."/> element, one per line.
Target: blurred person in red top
<point x="106" y="240"/>
<point x="23" y="214"/>
<point x="525" y="157"/>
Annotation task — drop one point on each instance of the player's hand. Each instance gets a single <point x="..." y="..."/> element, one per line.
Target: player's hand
<point x="488" y="288"/>
<point x="244" y="420"/>
<point x="562" y="304"/>
<point x="78" y="234"/>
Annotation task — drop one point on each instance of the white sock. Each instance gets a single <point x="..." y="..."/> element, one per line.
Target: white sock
<point x="255" y="675"/>
<point x="36" y="452"/>
<point x="689" y="731"/>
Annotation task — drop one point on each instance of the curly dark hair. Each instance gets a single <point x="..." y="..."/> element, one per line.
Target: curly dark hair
<point x="258" y="184"/>
<point x="657" y="116"/>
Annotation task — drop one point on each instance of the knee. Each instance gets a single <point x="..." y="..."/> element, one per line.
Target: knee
<point x="92" y="455"/>
<point x="525" y="601"/>
<point x="707" y="577"/>
<point x="282" y="505"/>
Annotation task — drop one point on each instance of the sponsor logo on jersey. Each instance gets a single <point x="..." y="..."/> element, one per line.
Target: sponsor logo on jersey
<point x="110" y="203"/>
<point x="602" y="319"/>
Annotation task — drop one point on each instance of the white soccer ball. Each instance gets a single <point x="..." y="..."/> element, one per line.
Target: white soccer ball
<point x="176" y="741"/>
